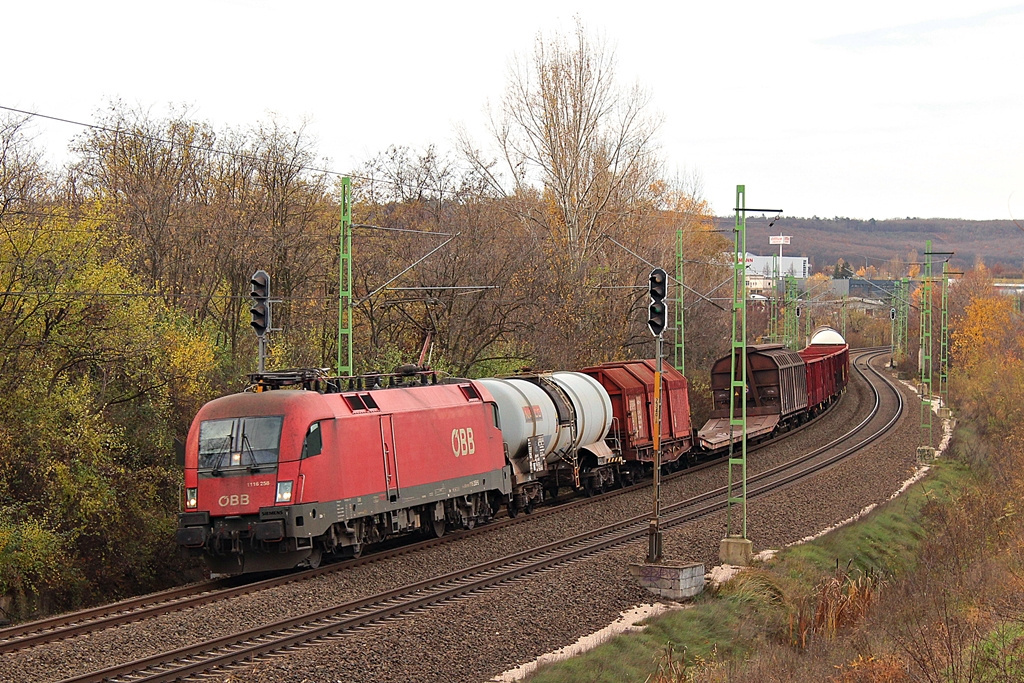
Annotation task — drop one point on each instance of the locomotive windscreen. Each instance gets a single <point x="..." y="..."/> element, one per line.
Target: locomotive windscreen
<point x="244" y="442"/>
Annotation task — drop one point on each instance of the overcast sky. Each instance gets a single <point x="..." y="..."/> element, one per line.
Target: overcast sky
<point x="867" y="109"/>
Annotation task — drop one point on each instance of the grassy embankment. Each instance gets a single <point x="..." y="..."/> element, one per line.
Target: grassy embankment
<point x="926" y="587"/>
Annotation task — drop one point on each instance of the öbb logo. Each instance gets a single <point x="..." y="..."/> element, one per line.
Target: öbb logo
<point x="234" y="500"/>
<point x="462" y="442"/>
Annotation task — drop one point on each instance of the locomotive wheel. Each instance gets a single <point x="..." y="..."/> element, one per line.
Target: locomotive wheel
<point x="313" y="561"/>
<point x="438" y="527"/>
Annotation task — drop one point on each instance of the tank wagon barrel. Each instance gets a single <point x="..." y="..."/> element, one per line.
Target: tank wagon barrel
<point x="554" y="427"/>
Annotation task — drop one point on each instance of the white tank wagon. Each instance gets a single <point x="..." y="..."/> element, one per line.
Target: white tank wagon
<point x="554" y="427"/>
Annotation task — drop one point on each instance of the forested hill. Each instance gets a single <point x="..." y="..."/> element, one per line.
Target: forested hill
<point x="1000" y="244"/>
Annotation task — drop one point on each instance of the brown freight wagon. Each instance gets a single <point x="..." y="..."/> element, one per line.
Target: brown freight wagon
<point x="776" y="394"/>
<point x="630" y="385"/>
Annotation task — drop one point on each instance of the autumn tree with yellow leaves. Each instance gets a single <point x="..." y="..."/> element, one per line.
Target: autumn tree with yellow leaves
<point x="987" y="345"/>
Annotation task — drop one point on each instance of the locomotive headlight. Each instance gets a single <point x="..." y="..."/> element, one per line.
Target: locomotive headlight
<point x="191" y="498"/>
<point x="284" y="492"/>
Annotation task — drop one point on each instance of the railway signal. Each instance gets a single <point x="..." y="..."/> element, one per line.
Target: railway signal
<point x="260" y="309"/>
<point x="657" y="317"/>
<point x="657" y="313"/>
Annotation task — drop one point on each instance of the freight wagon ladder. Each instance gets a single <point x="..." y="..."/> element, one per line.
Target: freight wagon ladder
<point x="566" y="415"/>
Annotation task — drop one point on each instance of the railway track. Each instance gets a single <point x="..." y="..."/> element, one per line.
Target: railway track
<point x="341" y="618"/>
<point x="91" y="620"/>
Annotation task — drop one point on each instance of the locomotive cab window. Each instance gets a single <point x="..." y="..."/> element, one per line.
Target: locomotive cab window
<point x="240" y="443"/>
<point x="314" y="443"/>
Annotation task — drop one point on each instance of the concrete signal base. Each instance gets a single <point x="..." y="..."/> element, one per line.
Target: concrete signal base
<point x="669" y="580"/>
<point x="736" y="551"/>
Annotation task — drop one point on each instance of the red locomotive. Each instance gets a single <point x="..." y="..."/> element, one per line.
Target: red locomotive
<point x="275" y="479"/>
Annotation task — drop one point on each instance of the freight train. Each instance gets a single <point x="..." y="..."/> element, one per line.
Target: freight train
<point x="305" y="466"/>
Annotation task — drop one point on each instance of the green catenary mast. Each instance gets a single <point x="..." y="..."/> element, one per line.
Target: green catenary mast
<point x="345" y="281"/>
<point x="737" y="485"/>
<point x="944" y="339"/>
<point x="926" y="354"/>
<point x="790" y="321"/>
<point x="899" y="329"/>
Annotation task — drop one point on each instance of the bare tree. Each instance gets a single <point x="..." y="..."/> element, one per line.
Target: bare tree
<point x="21" y="174"/>
<point x="564" y="124"/>
<point x="465" y="294"/>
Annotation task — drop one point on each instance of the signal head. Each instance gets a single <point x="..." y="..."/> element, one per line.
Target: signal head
<point x="657" y="317"/>
<point x="260" y="286"/>
<point x="260" y="317"/>
<point x="658" y="284"/>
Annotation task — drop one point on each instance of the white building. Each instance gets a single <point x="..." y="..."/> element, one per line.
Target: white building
<point x="759" y="285"/>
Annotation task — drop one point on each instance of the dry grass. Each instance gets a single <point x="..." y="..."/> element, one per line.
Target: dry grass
<point x="839" y="601"/>
<point x="887" y="669"/>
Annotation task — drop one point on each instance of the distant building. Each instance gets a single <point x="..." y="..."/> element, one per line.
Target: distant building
<point x="760" y="285"/>
<point x="871" y="289"/>
<point x="860" y="288"/>
<point x="1011" y="287"/>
